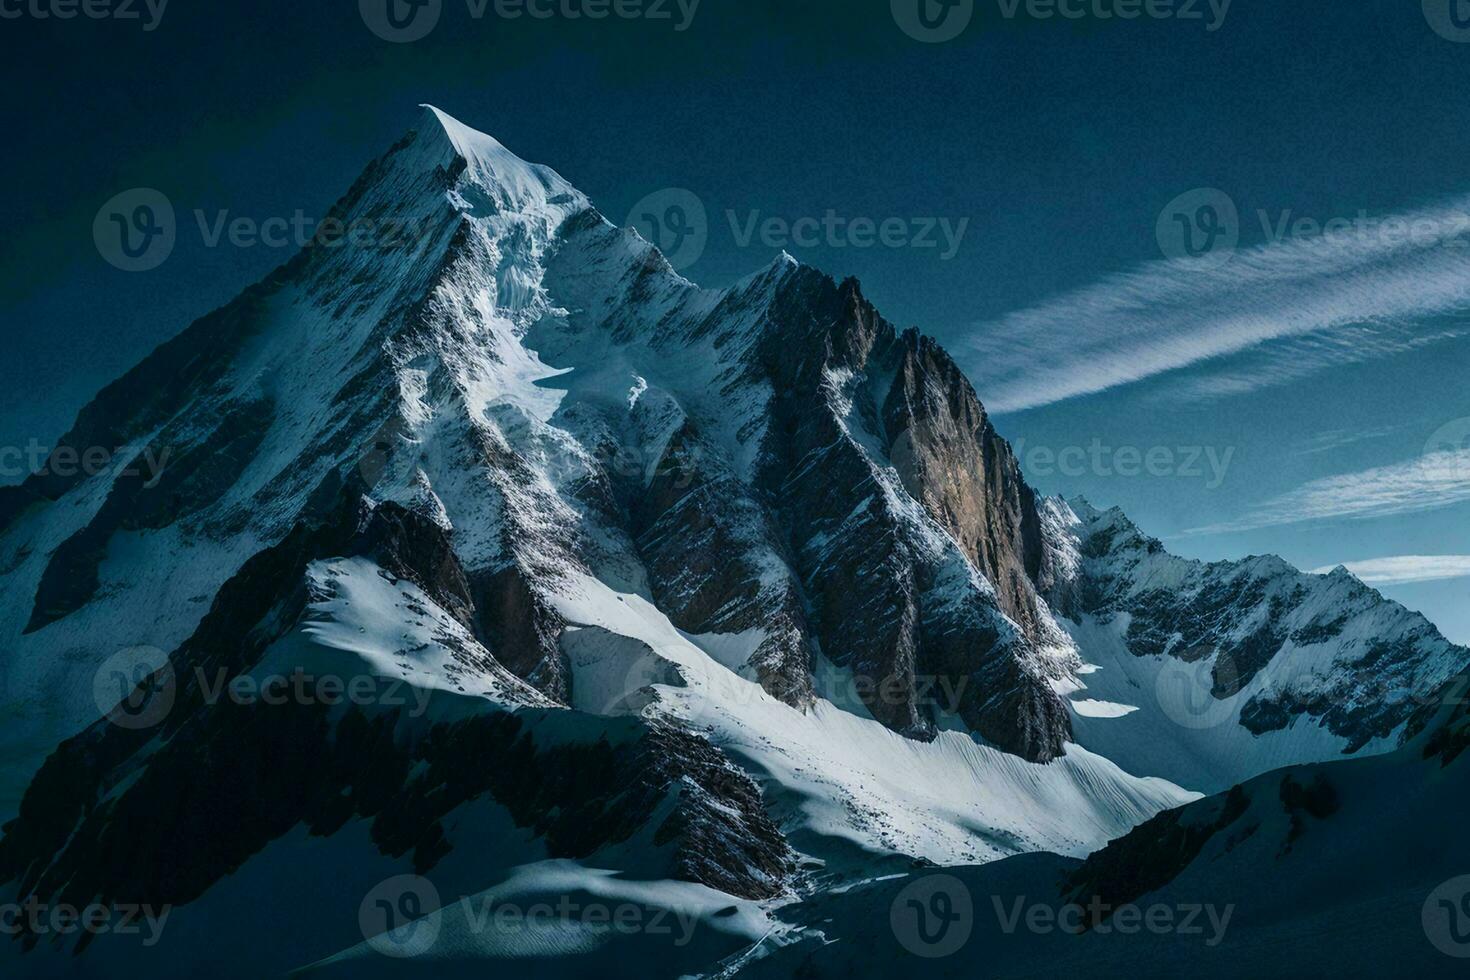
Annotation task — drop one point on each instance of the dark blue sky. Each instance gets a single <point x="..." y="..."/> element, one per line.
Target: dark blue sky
<point x="1058" y="141"/>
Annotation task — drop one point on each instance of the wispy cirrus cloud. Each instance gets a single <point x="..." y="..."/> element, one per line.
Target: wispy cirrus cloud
<point x="1436" y="479"/>
<point x="1406" y="569"/>
<point x="1337" y="297"/>
<point x="1337" y="438"/>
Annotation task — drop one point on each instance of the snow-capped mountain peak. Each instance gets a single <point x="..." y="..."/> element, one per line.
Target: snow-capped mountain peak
<point x="525" y="187"/>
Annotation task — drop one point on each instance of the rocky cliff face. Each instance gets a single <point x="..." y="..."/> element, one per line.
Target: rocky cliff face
<point x="911" y="527"/>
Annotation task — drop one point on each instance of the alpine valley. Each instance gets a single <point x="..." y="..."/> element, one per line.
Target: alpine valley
<point x="497" y="566"/>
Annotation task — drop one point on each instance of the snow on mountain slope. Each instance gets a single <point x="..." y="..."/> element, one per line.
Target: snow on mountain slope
<point x="1366" y="854"/>
<point x="1166" y="721"/>
<point x="843" y="781"/>
<point x="1211" y="674"/>
<point x="1349" y="868"/>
